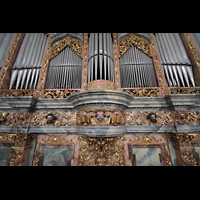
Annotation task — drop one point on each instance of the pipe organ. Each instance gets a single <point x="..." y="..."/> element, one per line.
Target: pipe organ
<point x="176" y="64"/>
<point x="65" y="71"/>
<point x="5" y="42"/>
<point x="26" y="69"/>
<point x="100" y="57"/>
<point x="136" y="69"/>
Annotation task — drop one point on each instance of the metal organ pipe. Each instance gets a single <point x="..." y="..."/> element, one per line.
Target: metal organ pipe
<point x="65" y="71"/>
<point x="25" y="71"/>
<point x="177" y="67"/>
<point x="100" y="57"/>
<point x="136" y="69"/>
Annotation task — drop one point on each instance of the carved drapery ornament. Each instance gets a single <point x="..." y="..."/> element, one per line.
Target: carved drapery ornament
<point x="140" y="42"/>
<point x="75" y="44"/>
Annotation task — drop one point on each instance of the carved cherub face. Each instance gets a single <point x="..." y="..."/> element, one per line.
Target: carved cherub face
<point x="100" y="116"/>
<point x="50" y="118"/>
<point x="152" y="117"/>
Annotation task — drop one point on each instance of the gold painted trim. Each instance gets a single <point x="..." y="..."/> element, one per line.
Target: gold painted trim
<point x="192" y="47"/>
<point x="140" y="42"/>
<point x="75" y="44"/>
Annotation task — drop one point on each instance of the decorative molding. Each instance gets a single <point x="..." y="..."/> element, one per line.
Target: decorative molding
<point x="183" y="139"/>
<point x="101" y="117"/>
<point x="142" y="92"/>
<point x="56" y="139"/>
<point x="140" y="118"/>
<point x="20" y="139"/>
<point x="43" y="71"/>
<point x="192" y="47"/>
<point x="75" y="44"/>
<point x="116" y="62"/>
<point x="59" y="93"/>
<point x="14" y="93"/>
<point x="10" y="54"/>
<point x="106" y="151"/>
<point x="62" y="119"/>
<point x="158" y="67"/>
<point x="140" y="42"/>
<point x="85" y="61"/>
<point x="185" y="90"/>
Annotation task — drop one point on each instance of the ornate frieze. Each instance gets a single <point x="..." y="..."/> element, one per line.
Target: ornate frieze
<point x="185" y="90"/>
<point x="62" y="119"/>
<point x="140" y="42"/>
<point x="59" y="93"/>
<point x="16" y="93"/>
<point x="99" y="151"/>
<point x="15" y="119"/>
<point x="101" y="117"/>
<point x="142" y="92"/>
<point x="140" y="118"/>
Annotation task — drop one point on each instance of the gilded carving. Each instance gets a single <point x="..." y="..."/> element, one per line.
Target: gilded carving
<point x="140" y="42"/>
<point x="84" y="73"/>
<point x="140" y="118"/>
<point x="185" y="90"/>
<point x="183" y="139"/>
<point x="13" y="93"/>
<point x="62" y="119"/>
<point x="192" y="47"/>
<point x="12" y="49"/>
<point x="101" y="117"/>
<point x="94" y="151"/>
<point x="44" y="70"/>
<point x="142" y="92"/>
<point x="189" y="158"/>
<point x="59" y="93"/>
<point x="75" y="44"/>
<point x="158" y="67"/>
<point x="16" y="158"/>
<point x="116" y="64"/>
<point x="56" y="139"/>
<point x="152" y="140"/>
<point x="15" y="119"/>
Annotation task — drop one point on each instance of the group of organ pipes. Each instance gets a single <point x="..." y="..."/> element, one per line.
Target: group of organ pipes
<point x="65" y="69"/>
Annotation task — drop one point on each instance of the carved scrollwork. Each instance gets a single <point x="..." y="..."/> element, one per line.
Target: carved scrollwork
<point x="16" y="93"/>
<point x="140" y="42"/>
<point x="59" y="93"/>
<point x="101" y="117"/>
<point x="142" y="92"/>
<point x="185" y="90"/>
<point x="75" y="44"/>
<point x="99" y="151"/>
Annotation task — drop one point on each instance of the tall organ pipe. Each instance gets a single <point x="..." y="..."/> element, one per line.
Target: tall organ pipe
<point x="176" y="61"/>
<point x="100" y="57"/>
<point x="28" y="62"/>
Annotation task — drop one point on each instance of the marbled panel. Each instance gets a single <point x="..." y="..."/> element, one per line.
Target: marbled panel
<point x="4" y="151"/>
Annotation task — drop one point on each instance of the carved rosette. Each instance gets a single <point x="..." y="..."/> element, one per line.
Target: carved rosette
<point x="140" y="42"/>
<point x="101" y="117"/>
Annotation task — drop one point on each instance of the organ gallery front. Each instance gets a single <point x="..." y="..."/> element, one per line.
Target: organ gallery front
<point x="99" y="99"/>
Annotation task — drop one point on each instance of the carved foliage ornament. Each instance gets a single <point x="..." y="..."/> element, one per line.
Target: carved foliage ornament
<point x="142" y="92"/>
<point x="141" y="43"/>
<point x="107" y="151"/>
<point x="101" y="117"/>
<point x="16" y="93"/>
<point x="59" y="93"/>
<point x="75" y="44"/>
